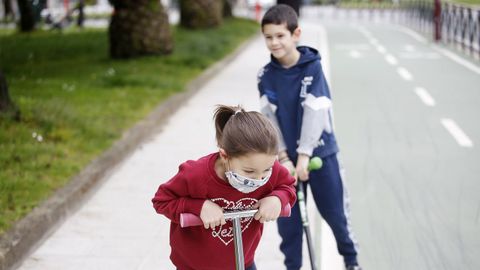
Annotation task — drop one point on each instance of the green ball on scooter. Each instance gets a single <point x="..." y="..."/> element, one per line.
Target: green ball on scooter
<point x="315" y="164"/>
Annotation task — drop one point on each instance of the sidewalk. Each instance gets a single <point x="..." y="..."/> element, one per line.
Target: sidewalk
<point x="117" y="228"/>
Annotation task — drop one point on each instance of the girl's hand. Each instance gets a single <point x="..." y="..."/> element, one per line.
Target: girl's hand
<point x="302" y="167"/>
<point x="268" y="209"/>
<point x="211" y="215"/>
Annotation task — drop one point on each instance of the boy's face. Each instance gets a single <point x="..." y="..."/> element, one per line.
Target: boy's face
<point x="280" y="42"/>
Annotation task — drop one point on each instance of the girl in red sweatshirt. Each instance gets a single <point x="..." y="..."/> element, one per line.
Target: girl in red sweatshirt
<point x="244" y="174"/>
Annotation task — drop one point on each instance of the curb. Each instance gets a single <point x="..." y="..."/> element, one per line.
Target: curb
<point x="29" y="232"/>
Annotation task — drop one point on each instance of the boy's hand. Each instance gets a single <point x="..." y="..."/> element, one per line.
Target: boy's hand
<point x="302" y="167"/>
<point x="211" y="215"/>
<point x="268" y="209"/>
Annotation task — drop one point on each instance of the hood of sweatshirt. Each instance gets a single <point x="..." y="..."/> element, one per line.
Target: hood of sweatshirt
<point x="307" y="55"/>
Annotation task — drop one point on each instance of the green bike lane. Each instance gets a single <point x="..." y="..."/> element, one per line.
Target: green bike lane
<point x="414" y="187"/>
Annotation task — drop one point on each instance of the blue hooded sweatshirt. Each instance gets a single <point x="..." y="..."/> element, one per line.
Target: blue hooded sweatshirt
<point x="297" y="101"/>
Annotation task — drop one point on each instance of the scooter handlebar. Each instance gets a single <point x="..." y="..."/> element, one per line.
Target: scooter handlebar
<point x="189" y="220"/>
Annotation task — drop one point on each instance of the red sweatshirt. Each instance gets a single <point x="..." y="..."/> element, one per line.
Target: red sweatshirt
<point x="195" y="248"/>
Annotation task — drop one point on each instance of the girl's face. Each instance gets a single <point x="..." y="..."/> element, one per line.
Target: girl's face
<point x="253" y="165"/>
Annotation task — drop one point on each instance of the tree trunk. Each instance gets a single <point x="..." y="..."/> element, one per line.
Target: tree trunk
<point x="139" y="28"/>
<point x="227" y="9"/>
<point x="81" y="14"/>
<point x="7" y="107"/>
<point x="201" y="13"/>
<point x="7" y="7"/>
<point x="27" y="16"/>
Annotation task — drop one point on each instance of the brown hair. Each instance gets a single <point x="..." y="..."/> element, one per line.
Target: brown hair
<point x="240" y="132"/>
<point x="281" y="14"/>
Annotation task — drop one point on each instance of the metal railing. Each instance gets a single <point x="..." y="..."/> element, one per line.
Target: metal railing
<point x="449" y="23"/>
<point x="461" y="25"/>
<point x="452" y="24"/>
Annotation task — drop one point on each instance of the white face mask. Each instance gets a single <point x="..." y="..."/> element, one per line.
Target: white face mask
<point x="245" y="184"/>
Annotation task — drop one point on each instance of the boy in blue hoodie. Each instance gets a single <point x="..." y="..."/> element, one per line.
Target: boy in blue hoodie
<point x="296" y="98"/>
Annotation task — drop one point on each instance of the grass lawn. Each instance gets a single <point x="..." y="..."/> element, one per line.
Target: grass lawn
<point x="75" y="101"/>
<point x="468" y="2"/>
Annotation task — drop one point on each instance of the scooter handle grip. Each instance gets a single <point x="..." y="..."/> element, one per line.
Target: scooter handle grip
<point x="189" y="219"/>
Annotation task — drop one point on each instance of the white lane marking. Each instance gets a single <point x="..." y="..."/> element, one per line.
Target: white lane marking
<point x="454" y="57"/>
<point x="409" y="48"/>
<point x="423" y="94"/>
<point x="457" y="133"/>
<point x="364" y="31"/>
<point x="355" y="54"/>
<point x="405" y="74"/>
<point x="329" y="258"/>
<point x="381" y="49"/>
<point x="322" y="41"/>
<point x="419" y="55"/>
<point x="413" y="34"/>
<point x="458" y="59"/>
<point x="374" y="41"/>
<point x="391" y="59"/>
<point x="353" y="46"/>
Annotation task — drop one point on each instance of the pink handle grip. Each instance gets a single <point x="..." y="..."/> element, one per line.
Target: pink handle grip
<point x="189" y="220"/>
<point x="286" y="211"/>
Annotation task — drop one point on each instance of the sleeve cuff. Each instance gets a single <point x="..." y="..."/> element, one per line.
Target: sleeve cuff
<point x="305" y="150"/>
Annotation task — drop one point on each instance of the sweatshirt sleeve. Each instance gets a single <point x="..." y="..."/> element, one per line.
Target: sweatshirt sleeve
<point x="173" y="197"/>
<point x="284" y="186"/>
<point x="268" y="108"/>
<point x="317" y="108"/>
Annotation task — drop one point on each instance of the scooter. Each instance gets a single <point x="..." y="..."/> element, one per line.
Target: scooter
<point x="314" y="164"/>
<point x="188" y="220"/>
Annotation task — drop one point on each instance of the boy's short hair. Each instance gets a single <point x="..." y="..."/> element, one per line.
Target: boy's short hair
<point x="280" y="14"/>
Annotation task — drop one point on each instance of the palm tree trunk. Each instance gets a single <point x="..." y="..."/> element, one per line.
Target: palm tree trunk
<point x="7" y="107"/>
<point x="227" y="9"/>
<point x="201" y="13"/>
<point x="27" y="16"/>
<point x="139" y="28"/>
<point x="7" y="9"/>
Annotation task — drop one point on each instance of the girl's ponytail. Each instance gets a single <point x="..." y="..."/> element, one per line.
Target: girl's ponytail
<point x="221" y="116"/>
